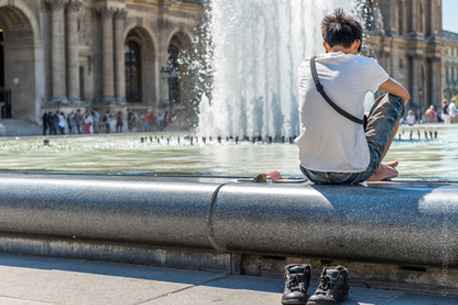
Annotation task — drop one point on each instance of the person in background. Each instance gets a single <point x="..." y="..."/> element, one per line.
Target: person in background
<point x="70" y="120"/>
<point x="137" y="121"/>
<point x="44" y="118"/>
<point x="410" y="120"/>
<point x="130" y="120"/>
<point x="160" y="121"/>
<point x="152" y="122"/>
<point x="445" y="112"/>
<point x="61" y="122"/>
<point x="96" y="117"/>
<point x="119" y="122"/>
<point x="452" y="111"/>
<point x="431" y="114"/>
<point x="78" y="120"/>
<point x="52" y="123"/>
<point x="166" y="121"/>
<point x="56" y="122"/>
<point x="106" y="120"/>
<point x="141" y="117"/>
<point x="145" y="122"/>
<point x="92" y="128"/>
<point x="88" y="121"/>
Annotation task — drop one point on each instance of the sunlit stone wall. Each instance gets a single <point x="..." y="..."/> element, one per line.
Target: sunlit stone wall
<point x="69" y="54"/>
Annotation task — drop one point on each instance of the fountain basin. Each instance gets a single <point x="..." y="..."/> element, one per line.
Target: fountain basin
<point x="160" y="153"/>
<point x="404" y="223"/>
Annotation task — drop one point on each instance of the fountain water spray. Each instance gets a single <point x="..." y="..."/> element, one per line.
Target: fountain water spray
<point x="258" y="46"/>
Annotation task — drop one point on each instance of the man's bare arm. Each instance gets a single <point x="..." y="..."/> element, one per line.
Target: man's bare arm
<point x="395" y="88"/>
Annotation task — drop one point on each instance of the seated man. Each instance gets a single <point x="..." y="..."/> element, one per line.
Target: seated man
<point x="333" y="149"/>
<point x="333" y="146"/>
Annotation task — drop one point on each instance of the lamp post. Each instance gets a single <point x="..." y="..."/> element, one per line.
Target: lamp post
<point x="170" y="75"/>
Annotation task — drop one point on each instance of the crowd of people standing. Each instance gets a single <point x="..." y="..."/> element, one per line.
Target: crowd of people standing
<point x="90" y="122"/>
<point x="447" y="114"/>
<point x="449" y="111"/>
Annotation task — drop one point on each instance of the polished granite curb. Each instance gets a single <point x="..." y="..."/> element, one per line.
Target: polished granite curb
<point x="214" y="223"/>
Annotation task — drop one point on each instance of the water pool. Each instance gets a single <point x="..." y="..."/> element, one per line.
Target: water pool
<point x="432" y="159"/>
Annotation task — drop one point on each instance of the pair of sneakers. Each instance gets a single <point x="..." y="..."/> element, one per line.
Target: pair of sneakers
<point x="332" y="289"/>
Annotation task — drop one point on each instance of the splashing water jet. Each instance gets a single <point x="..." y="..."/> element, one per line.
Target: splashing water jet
<point x="258" y="45"/>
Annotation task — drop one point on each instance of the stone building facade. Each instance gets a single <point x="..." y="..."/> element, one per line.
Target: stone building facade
<point x="116" y="54"/>
<point x="408" y="43"/>
<point x="104" y="54"/>
<point x="451" y="65"/>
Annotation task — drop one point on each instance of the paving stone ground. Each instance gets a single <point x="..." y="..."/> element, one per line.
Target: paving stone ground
<point x="44" y="280"/>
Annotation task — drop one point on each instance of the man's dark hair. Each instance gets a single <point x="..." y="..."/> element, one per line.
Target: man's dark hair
<point x="341" y="29"/>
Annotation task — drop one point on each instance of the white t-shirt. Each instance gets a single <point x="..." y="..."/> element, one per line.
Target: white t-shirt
<point x="330" y="142"/>
<point x="452" y="110"/>
<point x="410" y="119"/>
<point x="61" y="120"/>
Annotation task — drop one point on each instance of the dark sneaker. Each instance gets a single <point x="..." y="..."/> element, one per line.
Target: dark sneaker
<point x="333" y="288"/>
<point x="296" y="284"/>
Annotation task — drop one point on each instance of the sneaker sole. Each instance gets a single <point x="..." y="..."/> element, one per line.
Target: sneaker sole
<point x="344" y="298"/>
<point x="293" y="302"/>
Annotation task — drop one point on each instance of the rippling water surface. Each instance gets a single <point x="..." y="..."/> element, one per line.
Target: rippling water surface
<point x="127" y="154"/>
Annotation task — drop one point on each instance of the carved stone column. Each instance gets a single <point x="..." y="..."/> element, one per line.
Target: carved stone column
<point x="164" y="98"/>
<point x="107" y="55"/>
<point x="58" y="51"/>
<point x="414" y="16"/>
<point x="414" y="91"/>
<point x="120" y="74"/>
<point x="414" y="31"/>
<point x="73" y="84"/>
<point x="436" y="67"/>
<point x="162" y="58"/>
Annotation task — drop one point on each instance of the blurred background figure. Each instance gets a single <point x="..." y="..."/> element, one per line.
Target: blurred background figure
<point x="431" y="114"/>
<point x="410" y="120"/>
<point x="452" y="111"/>
<point x="445" y="112"/>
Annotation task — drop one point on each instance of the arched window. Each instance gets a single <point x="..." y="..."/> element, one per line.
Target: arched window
<point x="133" y="72"/>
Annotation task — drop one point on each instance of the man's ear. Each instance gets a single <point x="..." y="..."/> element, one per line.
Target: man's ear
<point x="357" y="46"/>
<point x="326" y="46"/>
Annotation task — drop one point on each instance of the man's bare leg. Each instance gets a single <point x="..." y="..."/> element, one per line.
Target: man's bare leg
<point x="387" y="171"/>
<point x="393" y="134"/>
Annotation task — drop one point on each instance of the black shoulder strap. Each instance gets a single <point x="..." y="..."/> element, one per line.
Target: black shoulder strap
<point x="320" y="89"/>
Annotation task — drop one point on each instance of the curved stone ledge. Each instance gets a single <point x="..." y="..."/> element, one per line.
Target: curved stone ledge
<point x="403" y="223"/>
<point x="161" y="213"/>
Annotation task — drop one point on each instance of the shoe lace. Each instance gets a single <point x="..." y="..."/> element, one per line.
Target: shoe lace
<point x="324" y="285"/>
<point x="294" y="282"/>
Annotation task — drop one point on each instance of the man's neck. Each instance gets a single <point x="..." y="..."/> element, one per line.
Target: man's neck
<point x="337" y="49"/>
